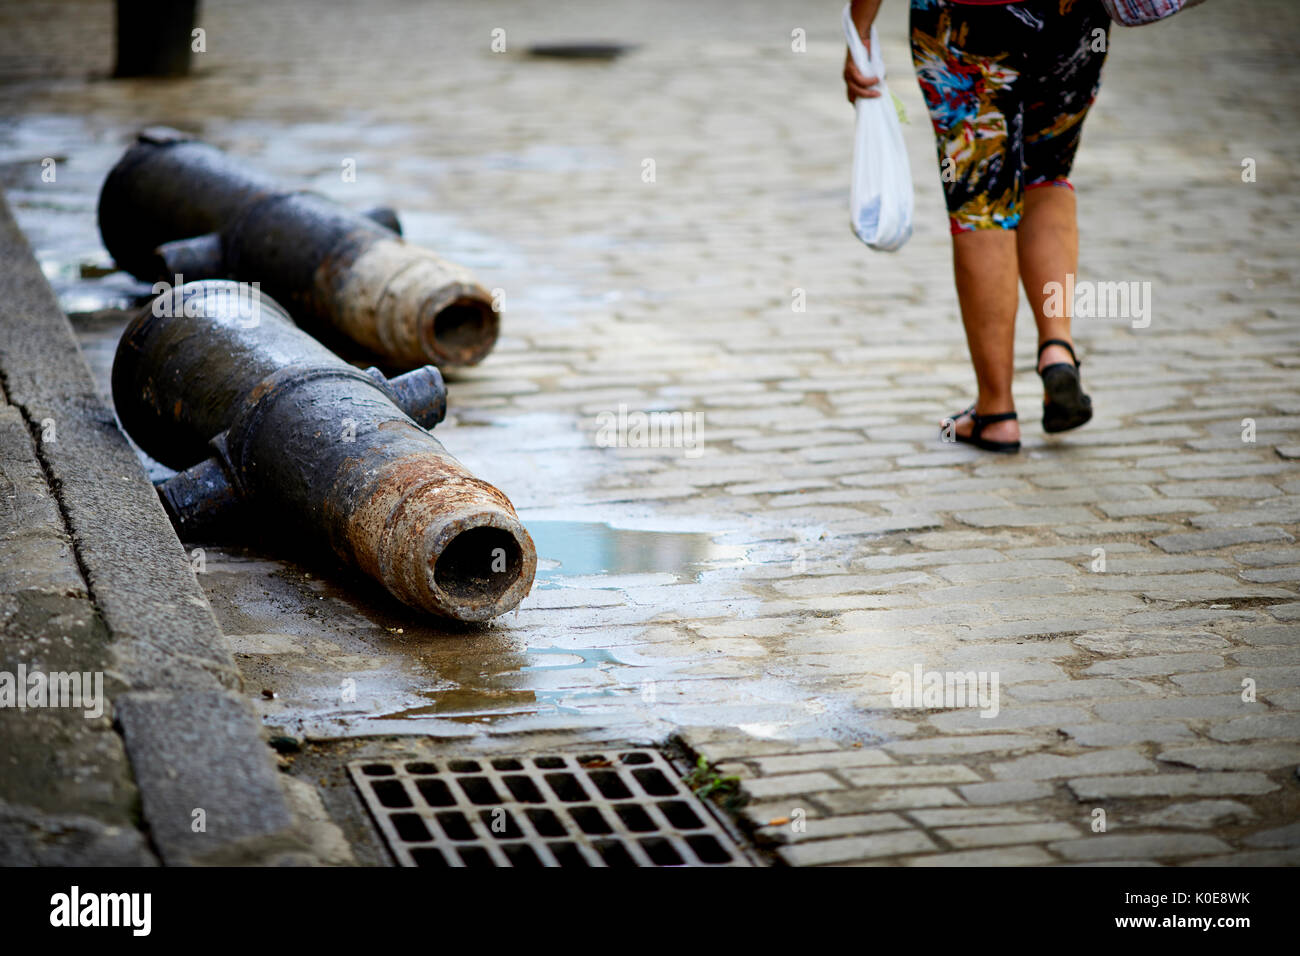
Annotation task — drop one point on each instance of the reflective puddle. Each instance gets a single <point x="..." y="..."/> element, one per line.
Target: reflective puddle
<point x="602" y="556"/>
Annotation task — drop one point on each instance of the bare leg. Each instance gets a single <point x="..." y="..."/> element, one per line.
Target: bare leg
<point x="1048" y="249"/>
<point x="984" y="263"/>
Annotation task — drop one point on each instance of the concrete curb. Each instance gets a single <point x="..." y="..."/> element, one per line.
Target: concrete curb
<point x="192" y="743"/>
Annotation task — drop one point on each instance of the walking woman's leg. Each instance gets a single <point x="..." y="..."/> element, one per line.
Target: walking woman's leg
<point x="984" y="264"/>
<point x="1047" y="246"/>
<point x="968" y="77"/>
<point x="1068" y="60"/>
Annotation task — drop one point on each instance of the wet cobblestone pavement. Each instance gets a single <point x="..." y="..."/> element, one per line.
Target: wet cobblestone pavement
<point x="1133" y="585"/>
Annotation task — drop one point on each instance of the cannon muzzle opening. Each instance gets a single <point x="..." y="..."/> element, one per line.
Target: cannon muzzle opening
<point x="464" y="331"/>
<point x="479" y="568"/>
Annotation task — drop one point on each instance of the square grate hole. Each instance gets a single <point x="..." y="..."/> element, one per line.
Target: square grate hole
<point x="616" y="808"/>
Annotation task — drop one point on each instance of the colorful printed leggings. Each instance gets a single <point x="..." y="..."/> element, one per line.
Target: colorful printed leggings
<point x="1008" y="87"/>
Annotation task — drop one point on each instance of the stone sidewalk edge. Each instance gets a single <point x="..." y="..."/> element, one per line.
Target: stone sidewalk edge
<point x="192" y="740"/>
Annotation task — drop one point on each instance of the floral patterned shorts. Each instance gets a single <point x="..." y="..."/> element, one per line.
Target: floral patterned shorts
<point x="1008" y="87"/>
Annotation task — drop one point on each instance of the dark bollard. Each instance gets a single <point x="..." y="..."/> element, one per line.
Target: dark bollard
<point x="154" y="37"/>
<point x="320" y="448"/>
<point x="175" y="206"/>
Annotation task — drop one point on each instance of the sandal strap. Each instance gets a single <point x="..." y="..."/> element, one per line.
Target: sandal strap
<point x="1063" y="344"/>
<point x="982" y="420"/>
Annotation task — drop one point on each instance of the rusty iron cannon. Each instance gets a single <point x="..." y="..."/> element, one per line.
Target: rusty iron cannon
<point x="213" y="377"/>
<point x="174" y="206"/>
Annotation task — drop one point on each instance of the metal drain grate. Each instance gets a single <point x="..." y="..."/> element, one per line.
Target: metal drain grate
<point x="626" y="808"/>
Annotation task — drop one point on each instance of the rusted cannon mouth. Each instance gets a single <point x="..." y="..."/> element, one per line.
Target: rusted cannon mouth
<point x="464" y="330"/>
<point x="484" y="569"/>
<point x="467" y="567"/>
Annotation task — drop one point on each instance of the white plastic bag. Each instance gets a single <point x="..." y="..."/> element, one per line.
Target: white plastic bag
<point x="880" y="199"/>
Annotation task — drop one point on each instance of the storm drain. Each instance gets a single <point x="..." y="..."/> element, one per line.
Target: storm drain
<point x="625" y="808"/>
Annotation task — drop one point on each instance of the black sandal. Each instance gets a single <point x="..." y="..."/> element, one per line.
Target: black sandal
<point x="980" y="421"/>
<point x="1066" y="405"/>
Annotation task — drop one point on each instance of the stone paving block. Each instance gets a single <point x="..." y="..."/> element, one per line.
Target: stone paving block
<point x="1157" y="506"/>
<point x="902" y="776"/>
<point x="1180" y="617"/>
<point x="1121" y="735"/>
<point x="1090" y="531"/>
<point x="1172" y="785"/>
<point x="955" y="746"/>
<point x="1272" y="512"/>
<point x="1227" y="757"/>
<point x="821" y="852"/>
<point x="1199" y="815"/>
<point x="768" y="788"/>
<point x="934" y="504"/>
<point x="973" y="816"/>
<point x="1285" y="700"/>
<point x="1104" y="473"/>
<point x="866" y="801"/>
<point x="1162" y="563"/>
<point x="1155" y="665"/>
<point x="1268" y="657"/>
<point x="910" y="522"/>
<point x="1003" y="856"/>
<point x="810" y="586"/>
<point x="968" y="594"/>
<point x="1095" y="689"/>
<point x="831" y="827"/>
<point x="1206" y="472"/>
<point x="1257" y="858"/>
<point x="1026" y="517"/>
<point x="1177" y="708"/>
<point x="887" y="562"/>
<point x="1010" y="718"/>
<point x="1075" y="553"/>
<point x="1099" y="490"/>
<point x="1273" y="575"/>
<point x="1016" y="791"/>
<point x="1258" y="726"/>
<point x="1225" y="538"/>
<point x="1004" y="571"/>
<point x="984" y="655"/>
<point x="838" y="760"/>
<point x="969" y="838"/>
<point x="1272" y="557"/>
<point x="1048" y="766"/>
<point x="1186" y="587"/>
<point x="1234" y="679"/>
<point x="1219" y="489"/>
<point x="1287" y="836"/>
<point x="1149" y="846"/>
<point x="1131" y="435"/>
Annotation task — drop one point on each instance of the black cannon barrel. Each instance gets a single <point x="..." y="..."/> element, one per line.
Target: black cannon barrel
<point x="178" y="383"/>
<point x="175" y="206"/>
<point x="320" y="448"/>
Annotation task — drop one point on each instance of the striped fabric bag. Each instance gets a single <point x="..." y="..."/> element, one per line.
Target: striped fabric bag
<point x="1134" y="13"/>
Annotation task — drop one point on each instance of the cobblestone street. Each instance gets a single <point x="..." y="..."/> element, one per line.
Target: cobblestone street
<point x="1128" y="591"/>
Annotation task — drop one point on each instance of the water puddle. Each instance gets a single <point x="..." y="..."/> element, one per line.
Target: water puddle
<point x="596" y="555"/>
<point x="591" y="657"/>
<point x="576" y="554"/>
